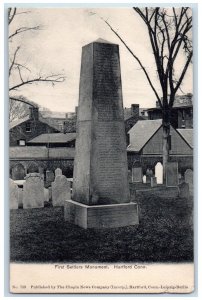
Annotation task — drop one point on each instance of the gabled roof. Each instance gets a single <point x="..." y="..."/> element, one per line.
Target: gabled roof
<point x="18" y="122"/>
<point x="53" y="138"/>
<point x="143" y="131"/>
<point x="187" y="134"/>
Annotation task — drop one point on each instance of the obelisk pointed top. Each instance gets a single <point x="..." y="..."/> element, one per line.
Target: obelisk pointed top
<point x="102" y="41"/>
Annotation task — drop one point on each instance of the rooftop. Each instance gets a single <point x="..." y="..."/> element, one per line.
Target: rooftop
<point x="187" y="134"/>
<point x="143" y="131"/>
<point x="53" y="138"/>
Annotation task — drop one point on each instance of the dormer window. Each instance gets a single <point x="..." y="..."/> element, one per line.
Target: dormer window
<point x="28" y="127"/>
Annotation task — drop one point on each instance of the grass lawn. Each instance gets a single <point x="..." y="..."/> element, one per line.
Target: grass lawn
<point x="165" y="234"/>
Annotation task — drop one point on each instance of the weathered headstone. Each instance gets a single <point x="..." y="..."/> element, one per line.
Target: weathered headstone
<point x="144" y="179"/>
<point x="60" y="190"/>
<point x="46" y="195"/>
<point x="159" y="173"/>
<point x="188" y="177"/>
<point x="13" y="190"/>
<point x="183" y="190"/>
<point x="100" y="187"/>
<point x="172" y="174"/>
<point x="136" y="174"/>
<point x="153" y="181"/>
<point x="49" y="178"/>
<point x="33" y="191"/>
<point x="58" y="171"/>
<point x="20" y="196"/>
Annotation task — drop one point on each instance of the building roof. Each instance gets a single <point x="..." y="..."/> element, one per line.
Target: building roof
<point x="53" y="138"/>
<point x="143" y="131"/>
<point x="187" y="134"/>
<point x="18" y="122"/>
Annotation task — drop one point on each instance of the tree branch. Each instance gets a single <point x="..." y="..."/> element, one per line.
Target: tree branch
<point x="51" y="78"/>
<point x="137" y="59"/>
<point x="13" y="61"/>
<point x="23" y="29"/>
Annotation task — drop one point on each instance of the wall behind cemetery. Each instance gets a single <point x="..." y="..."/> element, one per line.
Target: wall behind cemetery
<point x="44" y="158"/>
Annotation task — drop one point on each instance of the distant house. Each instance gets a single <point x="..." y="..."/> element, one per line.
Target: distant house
<point x="181" y="113"/>
<point x="23" y="130"/>
<point x="146" y="144"/>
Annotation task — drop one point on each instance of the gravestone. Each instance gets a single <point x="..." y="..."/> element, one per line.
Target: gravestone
<point x="60" y="190"/>
<point x="136" y="174"/>
<point x="58" y="171"/>
<point x="172" y="174"/>
<point x="100" y="186"/>
<point x="183" y="190"/>
<point x="20" y="197"/>
<point x="49" y="178"/>
<point x="153" y="181"/>
<point x="144" y="179"/>
<point x="13" y="191"/>
<point x="188" y="177"/>
<point x="46" y="195"/>
<point x="159" y="173"/>
<point x="33" y="191"/>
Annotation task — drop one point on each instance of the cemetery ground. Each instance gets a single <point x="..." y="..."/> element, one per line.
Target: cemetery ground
<point x="164" y="234"/>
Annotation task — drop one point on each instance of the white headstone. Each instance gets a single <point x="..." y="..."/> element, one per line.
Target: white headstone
<point x="33" y="191"/>
<point x="159" y="173"/>
<point x="60" y="190"/>
<point x="58" y="171"/>
<point x="13" y="188"/>
<point x="144" y="179"/>
<point x="188" y="177"/>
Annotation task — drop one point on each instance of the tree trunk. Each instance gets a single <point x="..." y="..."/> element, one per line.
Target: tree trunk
<point x="166" y="134"/>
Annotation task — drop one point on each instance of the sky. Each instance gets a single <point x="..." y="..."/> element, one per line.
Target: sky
<point x="56" y="48"/>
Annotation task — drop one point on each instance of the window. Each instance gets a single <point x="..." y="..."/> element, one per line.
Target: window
<point x="21" y="142"/>
<point x="28" y="127"/>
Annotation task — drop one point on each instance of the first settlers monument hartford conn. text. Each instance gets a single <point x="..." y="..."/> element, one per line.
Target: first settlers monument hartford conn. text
<point x="101" y="196"/>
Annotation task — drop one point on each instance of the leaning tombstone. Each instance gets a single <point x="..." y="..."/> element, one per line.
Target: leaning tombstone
<point x="13" y="189"/>
<point x="188" y="176"/>
<point x="60" y="190"/>
<point x="33" y="191"/>
<point x="58" y="171"/>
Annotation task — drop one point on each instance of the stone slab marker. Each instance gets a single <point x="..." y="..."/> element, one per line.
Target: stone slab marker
<point x="13" y="191"/>
<point x="60" y="190"/>
<point x="136" y="174"/>
<point x="188" y="177"/>
<point x="46" y="195"/>
<point x="33" y="191"/>
<point x="172" y="174"/>
<point x="58" y="171"/>
<point x="100" y="185"/>
<point x="159" y="173"/>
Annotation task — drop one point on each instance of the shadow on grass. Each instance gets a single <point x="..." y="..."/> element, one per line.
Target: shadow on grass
<point x="165" y="234"/>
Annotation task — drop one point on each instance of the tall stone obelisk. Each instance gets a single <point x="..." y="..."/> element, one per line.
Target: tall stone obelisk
<point x="101" y="195"/>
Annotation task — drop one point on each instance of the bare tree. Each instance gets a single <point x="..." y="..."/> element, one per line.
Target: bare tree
<point x="169" y="31"/>
<point x="20" y="75"/>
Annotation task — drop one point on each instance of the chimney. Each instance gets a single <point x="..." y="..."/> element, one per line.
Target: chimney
<point x="135" y="110"/>
<point x="34" y="113"/>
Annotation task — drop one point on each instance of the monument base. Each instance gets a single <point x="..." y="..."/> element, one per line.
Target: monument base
<point x="101" y="216"/>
